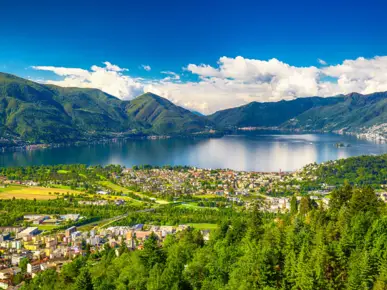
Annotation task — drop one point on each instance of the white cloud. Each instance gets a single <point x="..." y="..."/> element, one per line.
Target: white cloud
<point x="321" y="61"/>
<point x="360" y="75"/>
<point x="146" y="67"/>
<point x="113" y="67"/>
<point x="64" y="71"/>
<point x="203" y="70"/>
<point x="108" y="79"/>
<point x="235" y="81"/>
<point x="172" y="75"/>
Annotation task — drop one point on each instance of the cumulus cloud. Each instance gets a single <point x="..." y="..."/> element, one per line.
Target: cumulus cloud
<point x="109" y="79"/>
<point x="172" y="76"/>
<point x="321" y="61"/>
<point x="235" y="81"/>
<point x="360" y="75"/>
<point x="146" y="67"/>
<point x="113" y="67"/>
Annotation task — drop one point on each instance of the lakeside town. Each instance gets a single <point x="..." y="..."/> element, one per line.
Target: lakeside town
<point x="35" y="242"/>
<point x="28" y="251"/>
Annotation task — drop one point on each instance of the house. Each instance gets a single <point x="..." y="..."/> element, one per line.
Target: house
<point x="33" y="268"/>
<point x="142" y="235"/>
<point x="4" y="284"/>
<point x="9" y="272"/>
<point x="119" y="202"/>
<point x="206" y="235"/>
<point x="102" y="192"/>
<point x="70" y="230"/>
<point x="16" y="258"/>
<point x="30" y="231"/>
<point x="5" y="237"/>
<point x="70" y="217"/>
<point x="138" y="227"/>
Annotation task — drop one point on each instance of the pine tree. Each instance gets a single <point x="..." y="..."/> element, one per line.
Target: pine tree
<point x="293" y="205"/>
<point x="305" y="205"/>
<point x="83" y="281"/>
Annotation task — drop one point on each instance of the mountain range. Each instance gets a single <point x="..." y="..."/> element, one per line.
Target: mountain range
<point x="31" y="112"/>
<point x="353" y="113"/>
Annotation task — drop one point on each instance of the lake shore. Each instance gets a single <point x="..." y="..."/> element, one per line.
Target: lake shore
<point x="266" y="152"/>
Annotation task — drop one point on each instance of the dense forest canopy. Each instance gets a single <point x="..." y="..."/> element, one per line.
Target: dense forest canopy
<point x="361" y="170"/>
<point x="343" y="247"/>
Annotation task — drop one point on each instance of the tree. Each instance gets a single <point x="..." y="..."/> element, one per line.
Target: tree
<point x="293" y="205"/>
<point x="83" y="281"/>
<point x="305" y="205"/>
<point x="23" y="264"/>
<point x="152" y="253"/>
<point x="364" y="200"/>
<point x="340" y="197"/>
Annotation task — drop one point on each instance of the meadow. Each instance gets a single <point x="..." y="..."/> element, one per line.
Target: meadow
<point x="33" y="192"/>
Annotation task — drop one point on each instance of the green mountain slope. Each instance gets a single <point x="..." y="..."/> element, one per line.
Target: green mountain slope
<point x="355" y="113"/>
<point x="38" y="113"/>
<point x="28" y="110"/>
<point x="268" y="114"/>
<point x="160" y="116"/>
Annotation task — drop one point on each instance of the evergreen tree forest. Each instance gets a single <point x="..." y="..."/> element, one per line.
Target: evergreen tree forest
<point x="343" y="246"/>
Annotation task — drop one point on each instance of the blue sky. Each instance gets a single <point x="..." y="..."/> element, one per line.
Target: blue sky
<point x="171" y="35"/>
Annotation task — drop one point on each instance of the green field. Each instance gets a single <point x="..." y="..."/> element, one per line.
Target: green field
<point x="33" y="192"/>
<point x="206" y="196"/>
<point x="195" y="206"/>
<point x="203" y="226"/>
<point x="119" y="188"/>
<point x="113" y="186"/>
<point x="47" y="227"/>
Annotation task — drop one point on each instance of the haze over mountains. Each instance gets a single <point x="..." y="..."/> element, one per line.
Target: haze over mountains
<point x="37" y="113"/>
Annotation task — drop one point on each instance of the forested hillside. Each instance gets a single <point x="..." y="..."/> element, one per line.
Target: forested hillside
<point x="38" y="113"/>
<point x="160" y="116"/>
<point x="360" y="171"/>
<point x="268" y="114"/>
<point x="309" y="248"/>
<point x="354" y="113"/>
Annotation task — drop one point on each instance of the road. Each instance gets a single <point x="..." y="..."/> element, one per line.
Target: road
<point x="117" y="218"/>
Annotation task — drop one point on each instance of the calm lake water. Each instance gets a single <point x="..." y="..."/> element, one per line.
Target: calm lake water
<point x="264" y="152"/>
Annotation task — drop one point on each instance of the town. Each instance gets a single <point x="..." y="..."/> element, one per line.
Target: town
<point x="27" y="251"/>
<point x="55" y="214"/>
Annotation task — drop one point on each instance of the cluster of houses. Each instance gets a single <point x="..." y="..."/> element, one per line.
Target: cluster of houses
<point x="282" y="204"/>
<point x="42" y="252"/>
<point x="51" y="219"/>
<point x="198" y="181"/>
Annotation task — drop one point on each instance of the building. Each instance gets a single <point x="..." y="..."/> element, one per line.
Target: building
<point x="5" y="237"/>
<point x="30" y="231"/>
<point x="70" y="217"/>
<point x="15" y="260"/>
<point x="8" y="273"/>
<point x="33" y="268"/>
<point x="70" y="230"/>
<point x="4" y="284"/>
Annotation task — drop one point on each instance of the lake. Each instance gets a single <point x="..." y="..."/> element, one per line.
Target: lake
<point x="259" y="152"/>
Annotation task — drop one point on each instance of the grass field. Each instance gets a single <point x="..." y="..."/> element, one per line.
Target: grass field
<point x="119" y="188"/>
<point x="47" y="227"/>
<point x="27" y="192"/>
<point x="113" y="186"/>
<point x="203" y="226"/>
<point x="195" y="206"/>
<point x="207" y="196"/>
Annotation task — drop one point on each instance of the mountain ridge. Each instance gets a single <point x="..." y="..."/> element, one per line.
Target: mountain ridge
<point x="38" y="113"/>
<point x="35" y="113"/>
